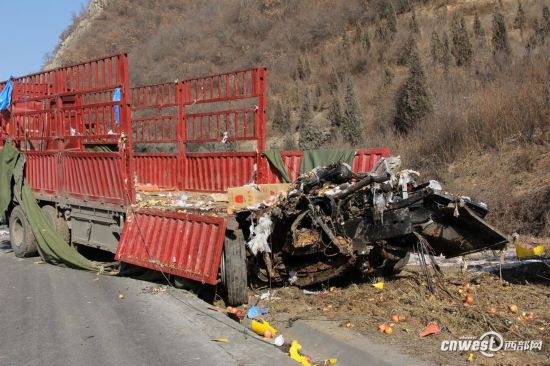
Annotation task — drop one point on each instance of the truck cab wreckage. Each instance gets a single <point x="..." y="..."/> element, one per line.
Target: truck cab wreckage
<point x="333" y="220"/>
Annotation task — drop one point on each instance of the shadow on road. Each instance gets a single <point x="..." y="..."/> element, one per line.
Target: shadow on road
<point x="5" y="246"/>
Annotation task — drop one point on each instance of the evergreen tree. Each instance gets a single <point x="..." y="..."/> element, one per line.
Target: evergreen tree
<point x="366" y="40"/>
<point x="318" y="94"/>
<point x="281" y="120"/>
<point x="391" y="18"/>
<point x="307" y="66"/>
<point x="413" y="24"/>
<point x="388" y="76"/>
<point x="405" y="52"/>
<point x="333" y="82"/>
<point x="300" y="69"/>
<point x="310" y="135"/>
<point x="436" y="47"/>
<point x="445" y="52"/>
<point x="462" y="48"/>
<point x="335" y="114"/>
<point x="352" y="123"/>
<point x="519" y="21"/>
<point x="381" y="31"/>
<point x="345" y="41"/>
<point x="358" y="38"/>
<point x="545" y="26"/>
<point x="413" y="101"/>
<point x="500" y="34"/>
<point x="479" y="31"/>
<point x="303" y="68"/>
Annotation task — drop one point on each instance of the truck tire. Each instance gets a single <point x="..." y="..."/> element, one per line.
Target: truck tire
<point x="58" y="223"/>
<point x="233" y="268"/>
<point x="22" y="238"/>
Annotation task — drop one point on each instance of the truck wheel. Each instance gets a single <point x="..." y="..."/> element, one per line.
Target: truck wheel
<point x="58" y="223"/>
<point x="22" y="239"/>
<point x="233" y="268"/>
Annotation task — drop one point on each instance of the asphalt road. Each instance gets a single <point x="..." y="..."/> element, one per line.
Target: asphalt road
<point x="59" y="316"/>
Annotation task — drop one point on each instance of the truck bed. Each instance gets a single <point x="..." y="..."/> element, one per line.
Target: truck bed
<point x="199" y="203"/>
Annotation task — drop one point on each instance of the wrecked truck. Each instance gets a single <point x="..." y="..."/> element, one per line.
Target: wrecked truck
<point x="89" y="161"/>
<point x="333" y="220"/>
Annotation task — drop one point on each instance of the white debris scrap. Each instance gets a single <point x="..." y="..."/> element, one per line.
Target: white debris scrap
<point x="260" y="233"/>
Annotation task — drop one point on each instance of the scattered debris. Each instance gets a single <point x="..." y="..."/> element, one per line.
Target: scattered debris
<point x="120" y="296"/>
<point x="431" y="328"/>
<point x="262" y="328"/>
<point x="256" y="311"/>
<point x="378" y="285"/>
<point x="526" y="251"/>
<point x="308" y="292"/>
<point x="220" y="340"/>
<point x="269" y="295"/>
<point x="278" y="341"/>
<point x="295" y="354"/>
<point x="238" y="313"/>
<point x="260" y="234"/>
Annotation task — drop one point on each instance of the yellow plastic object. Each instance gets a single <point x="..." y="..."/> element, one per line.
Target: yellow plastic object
<point x="379" y="285"/>
<point x="330" y="361"/>
<point x="526" y="251"/>
<point x="220" y="340"/>
<point x="294" y="353"/>
<point x="259" y="327"/>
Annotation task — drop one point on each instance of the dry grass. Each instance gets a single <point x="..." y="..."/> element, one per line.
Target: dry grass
<point x="484" y="109"/>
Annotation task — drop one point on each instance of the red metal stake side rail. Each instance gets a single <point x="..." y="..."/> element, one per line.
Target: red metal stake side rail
<point x="63" y="113"/>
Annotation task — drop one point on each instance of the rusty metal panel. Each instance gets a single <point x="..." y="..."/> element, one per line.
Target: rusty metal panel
<point x="184" y="245"/>
<point x="158" y="168"/>
<point x="93" y="176"/>
<point x="41" y="171"/>
<point x="214" y="172"/>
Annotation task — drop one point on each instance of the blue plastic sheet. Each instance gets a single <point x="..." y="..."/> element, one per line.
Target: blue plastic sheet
<point x="5" y="96"/>
<point x="116" y="98"/>
<point x="256" y="311"/>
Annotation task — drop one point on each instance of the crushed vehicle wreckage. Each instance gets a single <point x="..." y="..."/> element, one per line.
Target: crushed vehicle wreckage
<point x="333" y="221"/>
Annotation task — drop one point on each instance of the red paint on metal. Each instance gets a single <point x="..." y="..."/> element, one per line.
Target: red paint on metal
<point x="41" y="171"/>
<point x="366" y="159"/>
<point x="184" y="245"/>
<point x="158" y="168"/>
<point x="93" y="176"/>
<point x="215" y="172"/>
<point x="68" y="109"/>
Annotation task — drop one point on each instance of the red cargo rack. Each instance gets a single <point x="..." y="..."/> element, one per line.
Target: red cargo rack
<point x="57" y="115"/>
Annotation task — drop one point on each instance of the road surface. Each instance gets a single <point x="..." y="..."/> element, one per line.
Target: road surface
<point x="59" y="316"/>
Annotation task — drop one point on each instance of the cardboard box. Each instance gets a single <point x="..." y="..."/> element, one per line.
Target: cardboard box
<point x="246" y="196"/>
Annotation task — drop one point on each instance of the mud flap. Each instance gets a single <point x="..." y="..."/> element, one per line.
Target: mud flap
<point x="184" y="245"/>
<point x="454" y="235"/>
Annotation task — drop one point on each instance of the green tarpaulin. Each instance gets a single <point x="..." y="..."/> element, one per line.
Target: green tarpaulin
<point x="274" y="157"/>
<point x="310" y="160"/>
<point x="316" y="158"/>
<point x="53" y="247"/>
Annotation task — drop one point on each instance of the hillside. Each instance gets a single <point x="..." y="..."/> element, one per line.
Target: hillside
<point x="482" y="126"/>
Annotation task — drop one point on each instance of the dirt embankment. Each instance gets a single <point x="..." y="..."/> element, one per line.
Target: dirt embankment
<point x="515" y="182"/>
